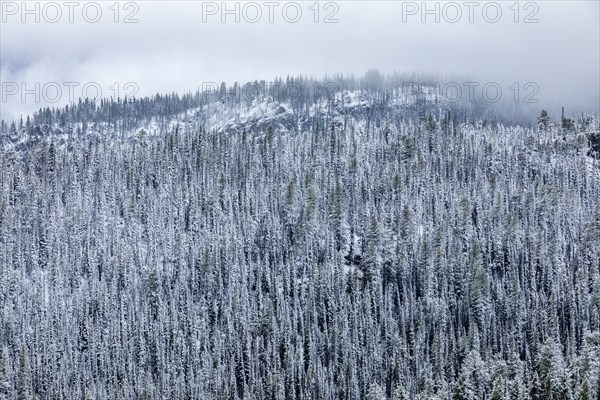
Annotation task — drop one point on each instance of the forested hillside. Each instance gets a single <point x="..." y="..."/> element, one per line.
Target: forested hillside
<point x="350" y="249"/>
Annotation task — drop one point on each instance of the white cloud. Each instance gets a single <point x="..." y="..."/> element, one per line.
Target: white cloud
<point x="172" y="49"/>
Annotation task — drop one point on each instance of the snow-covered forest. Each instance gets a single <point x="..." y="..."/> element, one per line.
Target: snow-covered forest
<point x="356" y="243"/>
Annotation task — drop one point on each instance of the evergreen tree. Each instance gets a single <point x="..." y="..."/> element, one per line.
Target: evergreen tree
<point x="5" y="384"/>
<point x="584" y="391"/>
<point x="543" y="121"/>
<point x="23" y="378"/>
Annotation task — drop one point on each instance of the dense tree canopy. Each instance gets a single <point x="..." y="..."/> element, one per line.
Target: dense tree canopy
<point x="370" y="257"/>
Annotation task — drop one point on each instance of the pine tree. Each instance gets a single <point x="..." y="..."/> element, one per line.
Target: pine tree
<point x="338" y="218"/>
<point x="535" y="388"/>
<point x="584" y="391"/>
<point x="4" y="377"/>
<point x="479" y="296"/>
<point x="375" y="392"/>
<point x="372" y="258"/>
<point x="400" y="393"/>
<point x="23" y="378"/>
<point x="154" y="294"/>
<point x="567" y="124"/>
<point x="463" y="391"/>
<point x="497" y="390"/>
<point x="551" y="366"/>
<point x="543" y="121"/>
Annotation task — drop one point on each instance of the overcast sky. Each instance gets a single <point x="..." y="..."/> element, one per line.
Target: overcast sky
<point x="176" y="46"/>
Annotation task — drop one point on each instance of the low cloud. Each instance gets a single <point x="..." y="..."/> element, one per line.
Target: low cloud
<point x="176" y="46"/>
